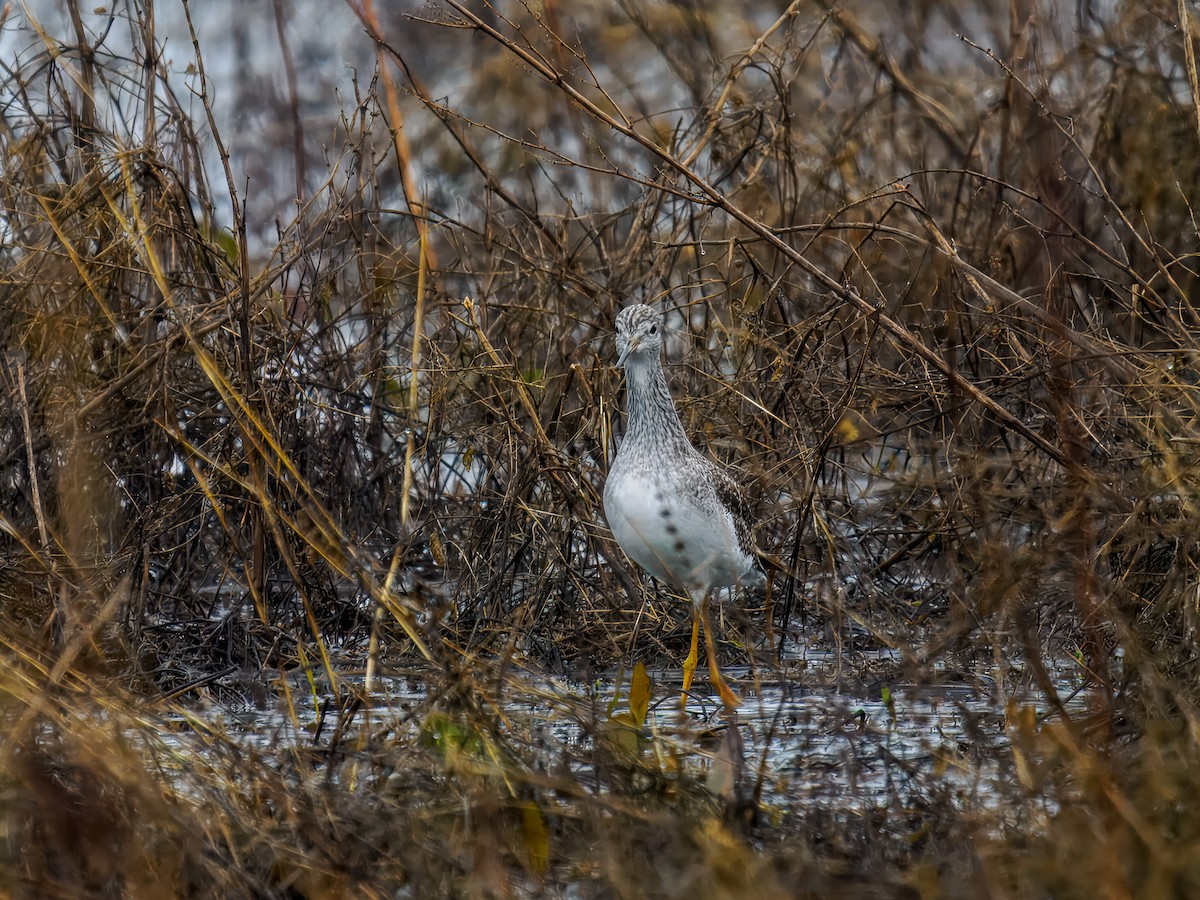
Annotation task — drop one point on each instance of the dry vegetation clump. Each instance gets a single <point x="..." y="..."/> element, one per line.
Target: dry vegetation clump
<point x="929" y="275"/>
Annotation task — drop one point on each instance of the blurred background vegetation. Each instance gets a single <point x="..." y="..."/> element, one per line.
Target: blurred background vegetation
<point x="306" y="401"/>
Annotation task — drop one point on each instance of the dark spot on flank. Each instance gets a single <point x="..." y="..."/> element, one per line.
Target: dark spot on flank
<point x="671" y="529"/>
<point x="658" y="495"/>
<point x="665" y="513"/>
<point x="680" y="546"/>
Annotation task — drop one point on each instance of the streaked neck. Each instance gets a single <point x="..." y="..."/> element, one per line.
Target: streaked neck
<point x="652" y="416"/>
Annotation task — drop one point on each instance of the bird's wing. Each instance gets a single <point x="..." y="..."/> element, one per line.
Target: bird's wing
<point x="734" y="499"/>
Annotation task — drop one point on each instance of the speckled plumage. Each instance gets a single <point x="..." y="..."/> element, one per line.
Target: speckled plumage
<point x="673" y="511"/>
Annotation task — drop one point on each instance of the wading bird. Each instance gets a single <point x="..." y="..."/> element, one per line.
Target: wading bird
<point x="673" y="511"/>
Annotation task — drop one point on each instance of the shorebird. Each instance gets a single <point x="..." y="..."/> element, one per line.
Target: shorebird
<point x="673" y="511"/>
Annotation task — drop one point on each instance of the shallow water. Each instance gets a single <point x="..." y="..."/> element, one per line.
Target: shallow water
<point x="854" y="748"/>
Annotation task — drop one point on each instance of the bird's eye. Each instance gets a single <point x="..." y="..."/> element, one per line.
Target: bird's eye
<point x="654" y="329"/>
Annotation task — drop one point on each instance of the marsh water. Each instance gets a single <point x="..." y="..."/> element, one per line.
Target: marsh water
<point x="856" y="745"/>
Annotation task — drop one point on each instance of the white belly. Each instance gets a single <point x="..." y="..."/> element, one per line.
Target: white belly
<point x="691" y="545"/>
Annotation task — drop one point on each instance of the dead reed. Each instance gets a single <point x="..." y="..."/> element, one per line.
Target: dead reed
<point x="930" y="277"/>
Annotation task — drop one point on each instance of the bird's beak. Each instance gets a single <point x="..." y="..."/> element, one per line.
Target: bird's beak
<point x="630" y="346"/>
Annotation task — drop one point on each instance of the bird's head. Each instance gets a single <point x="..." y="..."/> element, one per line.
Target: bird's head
<point x="639" y="333"/>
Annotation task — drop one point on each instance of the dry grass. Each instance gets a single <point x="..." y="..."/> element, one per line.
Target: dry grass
<point x="934" y="300"/>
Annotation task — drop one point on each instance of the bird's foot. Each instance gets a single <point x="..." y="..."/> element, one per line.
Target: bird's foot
<point x="728" y="697"/>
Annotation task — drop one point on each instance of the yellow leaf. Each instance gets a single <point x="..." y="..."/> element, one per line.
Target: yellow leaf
<point x="537" y="838"/>
<point x="639" y="694"/>
<point x="1021" y="722"/>
<point x="436" y="550"/>
<point x="851" y="427"/>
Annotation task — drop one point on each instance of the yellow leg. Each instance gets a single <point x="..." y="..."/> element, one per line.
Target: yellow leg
<point x="714" y="671"/>
<point x="689" y="664"/>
